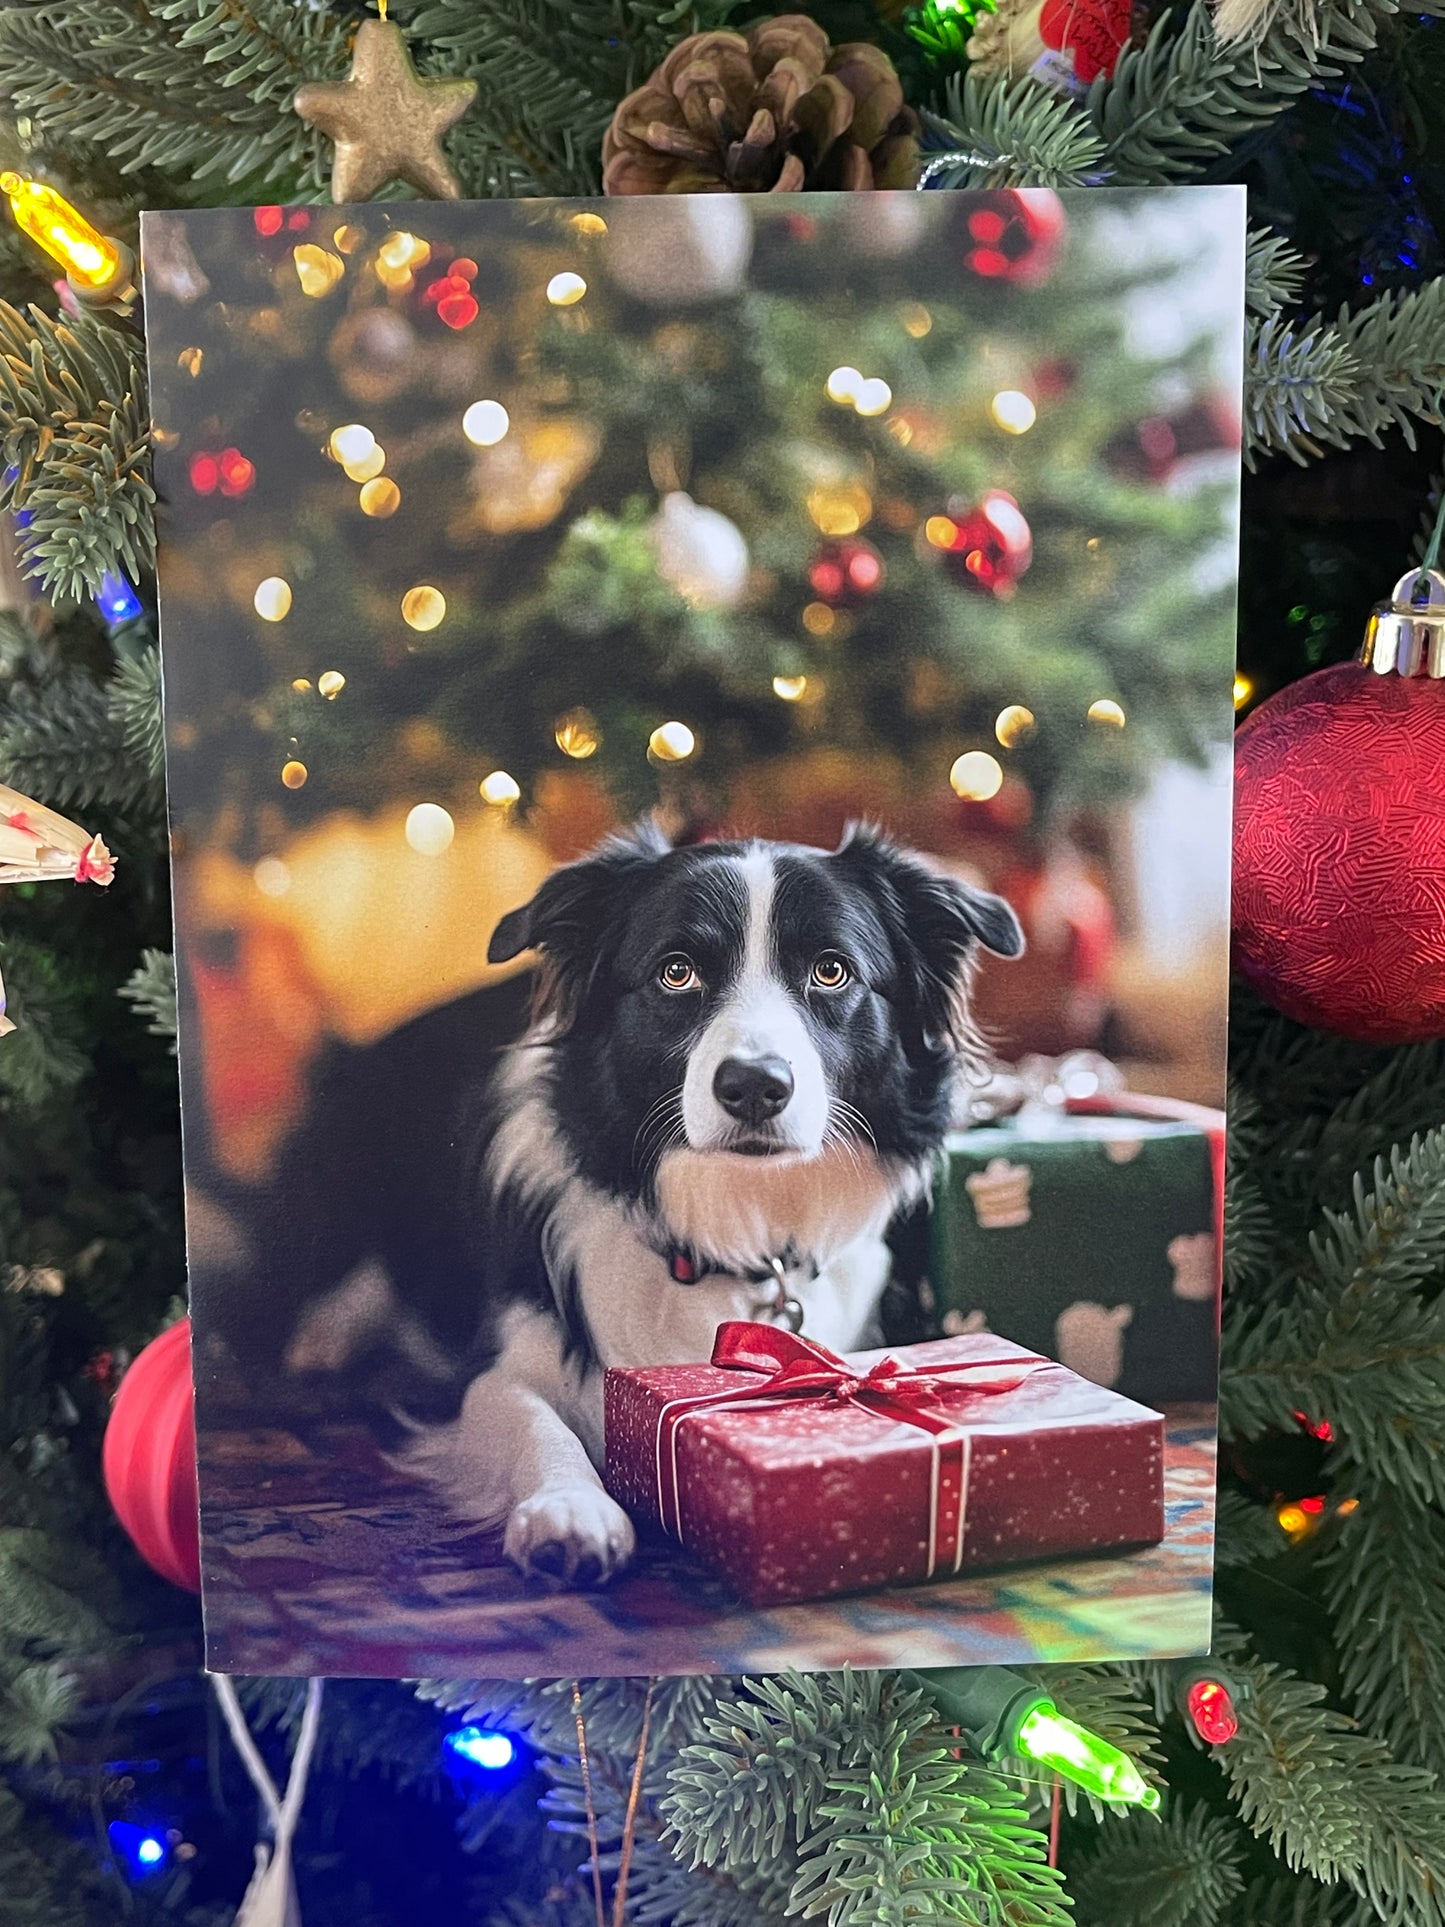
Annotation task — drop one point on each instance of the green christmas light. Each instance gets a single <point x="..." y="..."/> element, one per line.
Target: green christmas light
<point x="1045" y="1736"/>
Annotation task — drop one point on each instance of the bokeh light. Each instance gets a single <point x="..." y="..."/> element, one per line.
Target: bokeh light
<point x="351" y="443"/>
<point x="272" y="600"/>
<point x="331" y="682"/>
<point x="976" y="776"/>
<point x="874" y="397"/>
<point x="843" y="384"/>
<point x="1014" y="725"/>
<point x="1106" y="710"/>
<point x="790" y="689"/>
<point x="317" y="269"/>
<point x="1012" y="409"/>
<point x="294" y="774"/>
<point x="577" y="734"/>
<point x="271" y="877"/>
<point x="429" y="829"/>
<point x="566" y="290"/>
<point x="672" y="743"/>
<point x="423" y="607"/>
<point x="485" y="423"/>
<point x="380" y="498"/>
<point x="500" y="789"/>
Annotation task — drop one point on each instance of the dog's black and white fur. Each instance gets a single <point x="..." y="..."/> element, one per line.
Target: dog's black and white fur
<point x="741" y="1055"/>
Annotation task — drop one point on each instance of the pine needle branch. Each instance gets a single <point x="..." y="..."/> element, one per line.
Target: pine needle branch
<point x="134" y="705"/>
<point x="1184" y="1872"/>
<point x="1004" y="132"/>
<point x="151" y="987"/>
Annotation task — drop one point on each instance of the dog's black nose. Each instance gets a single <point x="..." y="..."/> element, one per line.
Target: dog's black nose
<point x="752" y="1089"/>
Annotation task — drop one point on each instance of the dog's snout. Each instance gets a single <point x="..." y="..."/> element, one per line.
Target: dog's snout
<point x="753" y="1089"/>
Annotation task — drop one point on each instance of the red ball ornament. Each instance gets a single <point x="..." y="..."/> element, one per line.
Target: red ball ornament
<point x="149" y="1458"/>
<point x="846" y="572"/>
<point x="1014" y="234"/>
<point x="1339" y="840"/>
<point x="987" y="547"/>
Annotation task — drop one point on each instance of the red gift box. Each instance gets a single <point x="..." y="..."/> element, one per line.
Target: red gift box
<point x="797" y="1473"/>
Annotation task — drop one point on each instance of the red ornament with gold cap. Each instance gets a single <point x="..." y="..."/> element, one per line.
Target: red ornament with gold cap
<point x="1339" y="838"/>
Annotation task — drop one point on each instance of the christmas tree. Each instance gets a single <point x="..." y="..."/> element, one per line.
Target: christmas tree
<point x="716" y="1801"/>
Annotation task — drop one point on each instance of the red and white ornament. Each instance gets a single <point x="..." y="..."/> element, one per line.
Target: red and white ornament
<point x="1339" y="837"/>
<point x="987" y="546"/>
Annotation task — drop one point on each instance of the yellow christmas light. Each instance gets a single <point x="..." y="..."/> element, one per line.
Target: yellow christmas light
<point x="368" y="468"/>
<point x="423" y="607"/>
<point x="351" y="443"/>
<point x="790" y="689"/>
<point x="380" y="498"/>
<point x="1243" y="690"/>
<point x="976" y="776"/>
<point x="331" y="682"/>
<point x="272" y="600"/>
<point x="1106" y="710"/>
<point x="97" y="268"/>
<point x="348" y="238"/>
<point x="840" y="508"/>
<point x="566" y="290"/>
<point x="500" y="789"/>
<point x="587" y="224"/>
<point x="403" y="250"/>
<point x="293" y="774"/>
<point x="577" y="735"/>
<point x="1013" y="725"/>
<point x="301" y="684"/>
<point x="1014" y="412"/>
<point x="672" y="743"/>
<point x="429" y="829"/>
<point x="485" y="423"/>
<point x="317" y="269"/>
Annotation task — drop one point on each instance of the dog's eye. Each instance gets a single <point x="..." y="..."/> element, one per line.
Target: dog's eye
<point x="679" y="973"/>
<point x="830" y="972"/>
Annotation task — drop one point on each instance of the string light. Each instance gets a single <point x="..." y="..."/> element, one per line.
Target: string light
<point x="1106" y="710"/>
<point x="141" y="1848"/>
<point x="1012" y="409"/>
<point x="294" y="774"/>
<point x="1243" y="690"/>
<point x="317" y="269"/>
<point x="331" y="682"/>
<point x="430" y="829"/>
<point x="1211" y="1710"/>
<point x="380" y="498"/>
<point x="566" y="290"/>
<point x="478" y="1747"/>
<point x="423" y="607"/>
<point x="790" y="689"/>
<point x="577" y="735"/>
<point x="672" y="743"/>
<point x="98" y="269"/>
<point x="500" y="789"/>
<point x="1013" y="725"/>
<point x="485" y="423"/>
<point x="976" y="776"/>
<point x="116" y="600"/>
<point x="272" y="600"/>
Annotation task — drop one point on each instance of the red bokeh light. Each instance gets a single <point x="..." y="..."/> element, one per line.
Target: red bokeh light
<point x="1212" y="1711"/>
<point x="205" y="474"/>
<point x="237" y="473"/>
<point x="465" y="267"/>
<point x="1314" y="1507"/>
<point x="457" y="310"/>
<point x="268" y="220"/>
<point x="298" y="219"/>
<point x="987" y="226"/>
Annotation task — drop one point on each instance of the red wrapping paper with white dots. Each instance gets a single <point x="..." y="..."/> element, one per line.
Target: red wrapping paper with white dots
<point x="816" y="1475"/>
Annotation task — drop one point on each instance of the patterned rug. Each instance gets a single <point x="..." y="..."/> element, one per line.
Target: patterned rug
<point x="333" y="1563"/>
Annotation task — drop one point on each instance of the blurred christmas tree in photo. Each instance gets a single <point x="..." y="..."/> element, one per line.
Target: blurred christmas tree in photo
<point x="1299" y="1780"/>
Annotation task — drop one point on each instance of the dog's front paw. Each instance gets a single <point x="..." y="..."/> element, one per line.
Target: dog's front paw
<point x="570" y="1532"/>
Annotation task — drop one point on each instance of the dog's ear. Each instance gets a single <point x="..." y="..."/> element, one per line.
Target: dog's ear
<point x="565" y="918"/>
<point x="937" y="922"/>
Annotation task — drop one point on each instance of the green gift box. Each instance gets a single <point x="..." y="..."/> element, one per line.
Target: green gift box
<point x="1090" y="1237"/>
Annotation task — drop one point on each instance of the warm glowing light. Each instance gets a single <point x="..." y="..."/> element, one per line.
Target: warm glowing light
<point x="271" y="876"/>
<point x="819" y="619"/>
<point x="842" y="385"/>
<point x="1046" y="1737"/>
<point x="1347" y="1506"/>
<point x="368" y="468"/>
<point x="331" y="682"/>
<point x="917" y="321"/>
<point x="840" y="509"/>
<point x="976" y="776"/>
<point x="485" y="423"/>
<point x="1013" y="725"/>
<point x="317" y="269"/>
<point x="423" y="607"/>
<point x="380" y="498"/>
<point x="900" y="430"/>
<point x="566" y="290"/>
<point x="874" y="397"/>
<point x="301" y="684"/>
<point x="348" y="238"/>
<point x="293" y="774"/>
<point x="429" y="829"/>
<point x="403" y="250"/>
<point x="272" y="599"/>
<point x="1291" y="1519"/>
<point x="1105" y="710"/>
<point x="587" y="224"/>
<point x="500" y="789"/>
<point x="1013" y="411"/>
<point x="353" y="443"/>
<point x="1212" y="1711"/>
<point x="672" y="743"/>
<point x="577" y="735"/>
<point x="941" y="531"/>
<point x="191" y="359"/>
<point x="93" y="262"/>
<point x="1243" y="690"/>
<point x="790" y="689"/>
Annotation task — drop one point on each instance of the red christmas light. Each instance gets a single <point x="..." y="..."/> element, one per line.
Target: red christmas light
<point x="1317" y="1428"/>
<point x="465" y="267"/>
<point x="268" y="220"/>
<point x="1314" y="1506"/>
<point x="458" y="310"/>
<point x="236" y="472"/>
<point x="205" y="473"/>
<point x="1212" y="1711"/>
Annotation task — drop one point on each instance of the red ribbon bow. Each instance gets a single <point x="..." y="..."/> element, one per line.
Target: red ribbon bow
<point x="799" y="1368"/>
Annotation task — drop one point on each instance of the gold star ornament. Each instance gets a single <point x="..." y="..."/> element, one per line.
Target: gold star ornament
<point x="387" y="122"/>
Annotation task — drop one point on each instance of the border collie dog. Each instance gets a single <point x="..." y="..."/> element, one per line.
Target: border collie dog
<point x="740" y="1066"/>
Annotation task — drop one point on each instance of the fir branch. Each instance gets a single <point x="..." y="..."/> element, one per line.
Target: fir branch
<point x="75" y="448"/>
<point x="35" y="1701"/>
<point x="61" y="744"/>
<point x="1399" y="341"/>
<point x="193" y="89"/>
<point x="1273" y="272"/>
<point x="151" y="987"/>
<point x="1185" y="96"/>
<point x="1001" y="131"/>
<point x="134" y="704"/>
<point x="40" y="1059"/>
<point x="1184" y="1872"/>
<point x="1300" y="380"/>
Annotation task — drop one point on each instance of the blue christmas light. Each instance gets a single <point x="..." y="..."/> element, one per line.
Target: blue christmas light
<point x="479" y="1747"/>
<point x="141" y="1848"/>
<point x="116" y="599"/>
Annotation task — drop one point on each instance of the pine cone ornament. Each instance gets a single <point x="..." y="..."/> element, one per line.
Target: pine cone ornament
<point x="770" y="112"/>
